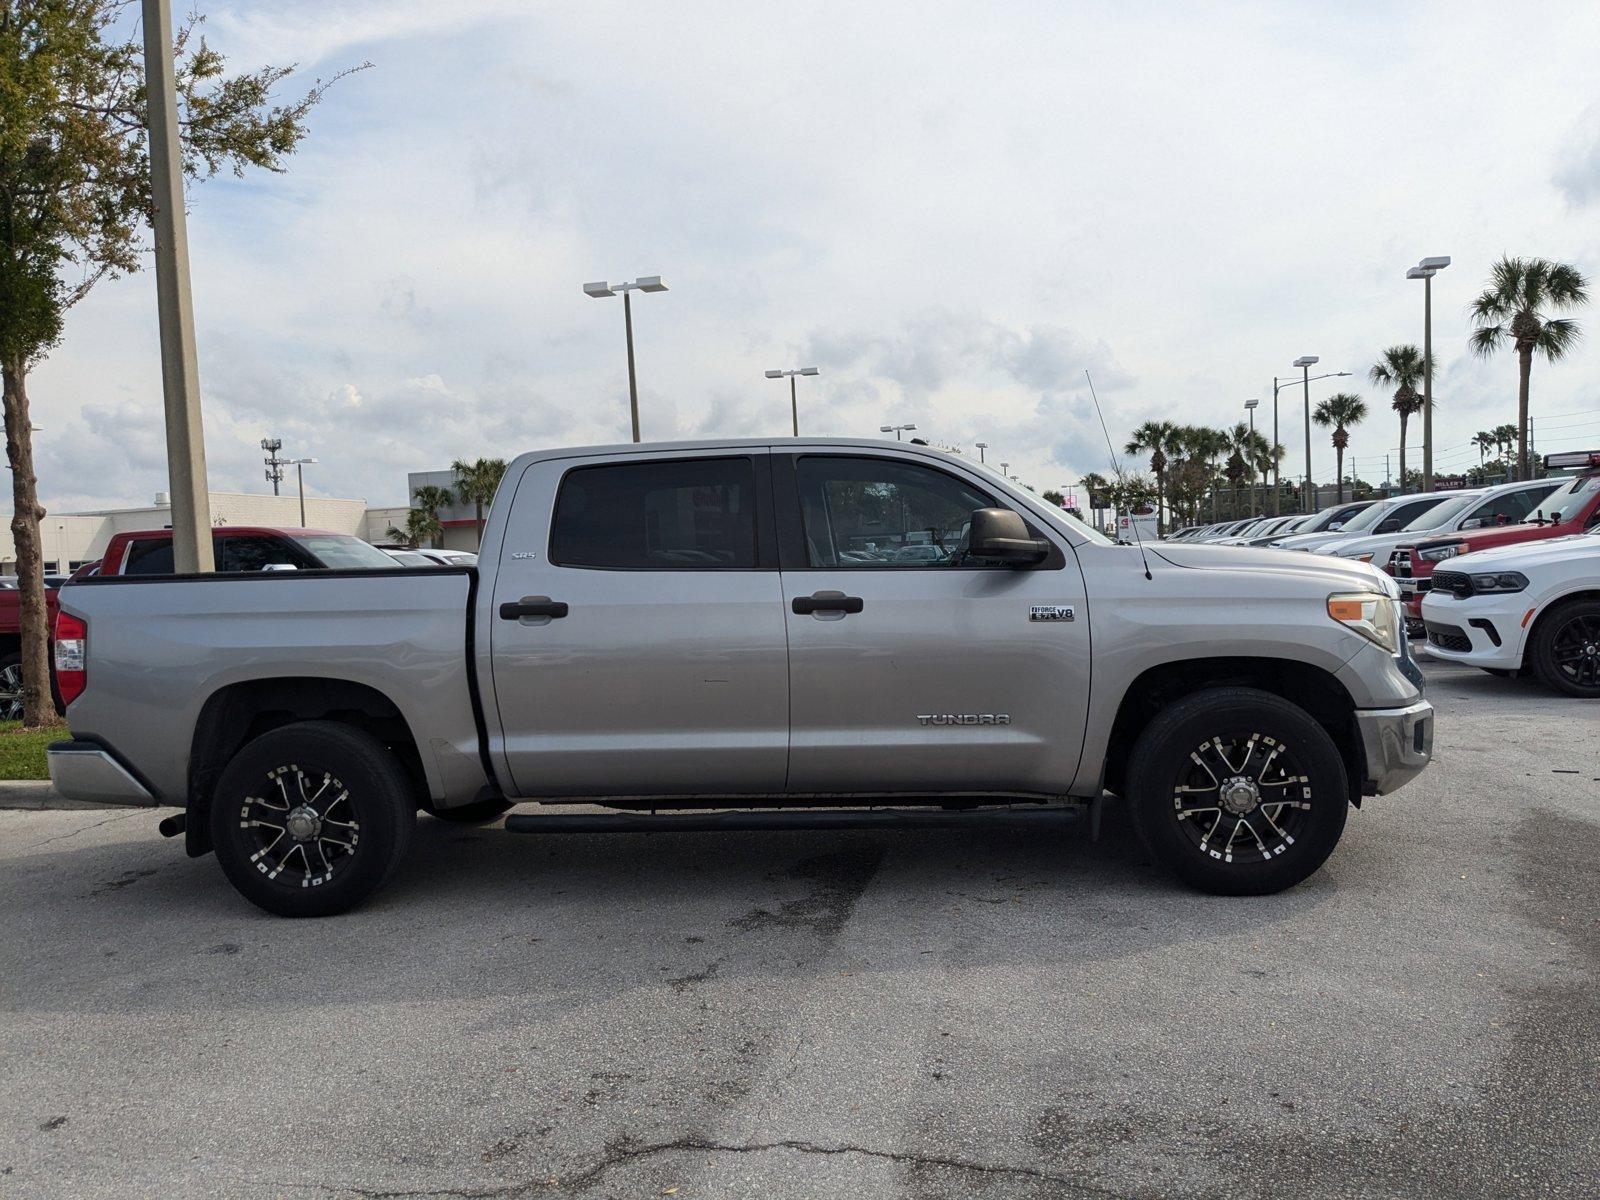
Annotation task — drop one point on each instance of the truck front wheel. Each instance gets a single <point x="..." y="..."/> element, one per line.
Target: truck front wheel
<point x="310" y="819"/>
<point x="1237" y="791"/>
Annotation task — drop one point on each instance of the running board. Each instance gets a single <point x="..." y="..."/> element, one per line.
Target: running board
<point x="745" y="820"/>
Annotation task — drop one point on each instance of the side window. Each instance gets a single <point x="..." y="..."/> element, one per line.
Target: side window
<point x="1508" y="508"/>
<point x="681" y="514"/>
<point x="254" y="554"/>
<point x="878" y="513"/>
<point x="152" y="556"/>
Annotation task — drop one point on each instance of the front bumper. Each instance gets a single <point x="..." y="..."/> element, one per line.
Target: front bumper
<point x="1480" y="631"/>
<point x="1397" y="742"/>
<point x="88" y="771"/>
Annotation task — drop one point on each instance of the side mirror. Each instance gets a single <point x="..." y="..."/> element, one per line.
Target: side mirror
<point x="1388" y="526"/>
<point x="1002" y="535"/>
<point x="1335" y="527"/>
<point x="280" y="567"/>
<point x="1472" y="523"/>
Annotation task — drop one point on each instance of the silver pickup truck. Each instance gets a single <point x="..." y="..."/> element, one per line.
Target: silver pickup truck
<point x="717" y="634"/>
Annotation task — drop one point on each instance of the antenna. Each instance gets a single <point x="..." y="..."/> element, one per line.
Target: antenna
<point x="1116" y="469"/>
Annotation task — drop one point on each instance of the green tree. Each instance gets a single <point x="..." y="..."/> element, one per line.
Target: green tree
<point x="1515" y="310"/>
<point x="1159" y="439"/>
<point x="1340" y="411"/>
<point x="1483" y="439"/>
<point x="421" y="525"/>
<point x="430" y="499"/>
<point x="476" y="484"/>
<point x="75" y="199"/>
<point x="1052" y="496"/>
<point x="1400" y="368"/>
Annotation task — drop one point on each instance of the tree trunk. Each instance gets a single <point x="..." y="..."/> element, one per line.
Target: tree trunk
<point x="1338" y="474"/>
<point x="1525" y="368"/>
<point x="38" y="708"/>
<point x="1403" y="451"/>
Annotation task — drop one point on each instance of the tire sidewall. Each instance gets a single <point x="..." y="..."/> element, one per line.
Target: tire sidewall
<point x="1164" y="747"/>
<point x="1544" y="647"/>
<point x="379" y="795"/>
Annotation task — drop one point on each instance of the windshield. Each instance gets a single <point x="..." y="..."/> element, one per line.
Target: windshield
<point x="1059" y="515"/>
<point x="1563" y="499"/>
<point x="341" y="551"/>
<point x="1366" y="518"/>
<point x="1442" y="514"/>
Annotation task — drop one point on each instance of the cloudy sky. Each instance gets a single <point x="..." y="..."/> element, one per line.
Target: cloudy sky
<point x="952" y="209"/>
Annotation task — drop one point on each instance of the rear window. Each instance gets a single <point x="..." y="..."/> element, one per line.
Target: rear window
<point x="679" y="515"/>
<point x="342" y="552"/>
<point x="149" y="556"/>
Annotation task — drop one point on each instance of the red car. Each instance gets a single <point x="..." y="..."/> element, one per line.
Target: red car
<point x="246" y="548"/>
<point x="11" y="648"/>
<point x="1571" y="509"/>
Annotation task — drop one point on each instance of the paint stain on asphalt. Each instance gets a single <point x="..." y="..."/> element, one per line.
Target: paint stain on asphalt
<point x="838" y="880"/>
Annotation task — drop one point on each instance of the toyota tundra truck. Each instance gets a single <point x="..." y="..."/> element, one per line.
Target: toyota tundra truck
<point x="717" y="635"/>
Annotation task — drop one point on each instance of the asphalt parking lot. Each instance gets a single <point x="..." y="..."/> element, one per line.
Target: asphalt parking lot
<point x="807" y="1014"/>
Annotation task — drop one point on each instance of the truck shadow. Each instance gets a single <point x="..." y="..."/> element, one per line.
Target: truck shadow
<point x="134" y="926"/>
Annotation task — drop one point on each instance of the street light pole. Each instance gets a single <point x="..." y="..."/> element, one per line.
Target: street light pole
<point x="982" y="446"/>
<point x="180" y="367"/>
<point x="895" y="429"/>
<point x="602" y="290"/>
<point x="299" y="465"/>
<point x="1250" y="407"/>
<point x="1304" y="363"/>
<point x="794" y="403"/>
<point x="1425" y="271"/>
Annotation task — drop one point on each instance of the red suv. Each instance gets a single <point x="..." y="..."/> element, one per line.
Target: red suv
<point x="1572" y="508"/>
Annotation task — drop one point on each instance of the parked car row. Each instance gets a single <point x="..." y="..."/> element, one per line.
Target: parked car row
<point x="1506" y="578"/>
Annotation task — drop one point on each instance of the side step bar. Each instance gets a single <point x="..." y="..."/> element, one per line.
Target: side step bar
<point x="1045" y="817"/>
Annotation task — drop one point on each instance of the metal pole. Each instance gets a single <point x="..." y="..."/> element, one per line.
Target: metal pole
<point x="1306" y="372"/>
<point x="1427" y="383"/>
<point x="1277" y="466"/>
<point x="633" y="382"/>
<point x="794" y="406"/>
<point x="300" y="474"/>
<point x="180" y="369"/>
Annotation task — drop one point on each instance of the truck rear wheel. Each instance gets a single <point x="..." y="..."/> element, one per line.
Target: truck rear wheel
<point x="310" y="819"/>
<point x="1237" y="791"/>
<point x="1565" y="654"/>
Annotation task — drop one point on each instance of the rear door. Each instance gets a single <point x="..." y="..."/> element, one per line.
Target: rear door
<point x="637" y="627"/>
<point x="912" y="667"/>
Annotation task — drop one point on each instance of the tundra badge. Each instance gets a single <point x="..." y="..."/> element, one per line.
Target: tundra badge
<point x="1052" y="612"/>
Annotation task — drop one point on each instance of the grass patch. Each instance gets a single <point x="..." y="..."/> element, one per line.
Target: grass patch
<point x="22" y="750"/>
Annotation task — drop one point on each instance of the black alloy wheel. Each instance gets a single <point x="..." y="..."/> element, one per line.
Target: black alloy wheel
<point x="1237" y="791"/>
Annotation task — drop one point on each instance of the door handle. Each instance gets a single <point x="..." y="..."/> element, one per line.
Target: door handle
<point x="532" y="606"/>
<point x="819" y="602"/>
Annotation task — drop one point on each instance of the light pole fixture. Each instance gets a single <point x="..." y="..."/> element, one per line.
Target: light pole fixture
<point x="1304" y="362"/>
<point x="1425" y="271"/>
<point x="982" y="446"/>
<point x="794" y="405"/>
<point x="1250" y="407"/>
<point x="1277" y="475"/>
<point x="299" y="465"/>
<point x="274" y="463"/>
<point x="895" y="429"/>
<point x="1005" y="470"/>
<point x="645" y="283"/>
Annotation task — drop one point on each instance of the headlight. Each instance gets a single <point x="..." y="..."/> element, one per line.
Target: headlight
<point x="1440" y="553"/>
<point x="1500" y="581"/>
<point x="1363" y="557"/>
<point x="1373" y="616"/>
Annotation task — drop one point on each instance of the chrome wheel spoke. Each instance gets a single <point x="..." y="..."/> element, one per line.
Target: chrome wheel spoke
<point x="292" y="841"/>
<point x="1242" y="798"/>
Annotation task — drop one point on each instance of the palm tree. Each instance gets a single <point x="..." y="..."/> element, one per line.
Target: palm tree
<point x="1400" y="368"/>
<point x="1483" y="439"/>
<point x="420" y="524"/>
<point x="1514" y="308"/>
<point x="1155" y="437"/>
<point x="430" y="499"/>
<point x="1340" y="410"/>
<point x="476" y="484"/>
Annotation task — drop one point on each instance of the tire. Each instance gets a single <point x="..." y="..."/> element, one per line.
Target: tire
<point x="479" y="812"/>
<point x="278" y="776"/>
<point x="1565" y="654"/>
<point x="1269" y="846"/>
<point x="11" y="687"/>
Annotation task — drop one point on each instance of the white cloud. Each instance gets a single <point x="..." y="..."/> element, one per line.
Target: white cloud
<point x="953" y="210"/>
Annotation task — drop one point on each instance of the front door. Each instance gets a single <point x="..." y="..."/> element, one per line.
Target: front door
<point x="637" y="626"/>
<point x="912" y="666"/>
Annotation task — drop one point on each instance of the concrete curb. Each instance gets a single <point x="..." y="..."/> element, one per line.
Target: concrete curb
<point x="37" y="795"/>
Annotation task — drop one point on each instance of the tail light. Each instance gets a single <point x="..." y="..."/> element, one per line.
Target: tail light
<point x="72" y="653"/>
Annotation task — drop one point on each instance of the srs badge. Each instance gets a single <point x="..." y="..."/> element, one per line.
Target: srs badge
<point x="1052" y="612"/>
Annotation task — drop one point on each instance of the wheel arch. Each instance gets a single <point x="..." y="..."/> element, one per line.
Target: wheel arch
<point x="1309" y="687"/>
<point x="240" y="712"/>
<point x="1550" y="606"/>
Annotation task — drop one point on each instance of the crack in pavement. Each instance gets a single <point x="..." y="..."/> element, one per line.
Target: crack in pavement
<point x="626" y="1152"/>
<point x="84" y="829"/>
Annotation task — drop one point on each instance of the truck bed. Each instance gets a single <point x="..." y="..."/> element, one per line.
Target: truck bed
<point x="164" y="649"/>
